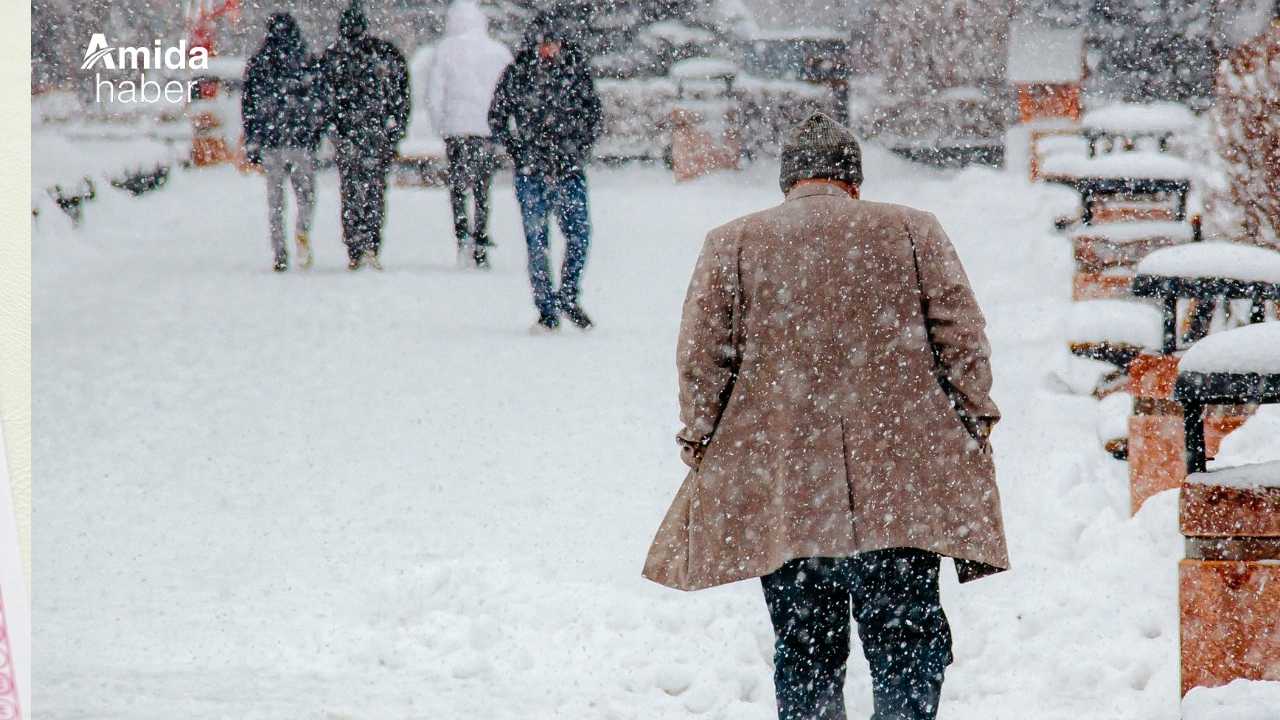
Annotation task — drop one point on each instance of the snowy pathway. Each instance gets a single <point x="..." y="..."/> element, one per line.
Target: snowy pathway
<point x="376" y="496"/>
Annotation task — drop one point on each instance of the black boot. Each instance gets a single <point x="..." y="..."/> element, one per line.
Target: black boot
<point x="547" y="323"/>
<point x="576" y="315"/>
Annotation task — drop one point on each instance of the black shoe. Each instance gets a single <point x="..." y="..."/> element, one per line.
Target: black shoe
<point x="281" y="264"/>
<point x="574" y="312"/>
<point x="481" y="256"/>
<point x="546" y="324"/>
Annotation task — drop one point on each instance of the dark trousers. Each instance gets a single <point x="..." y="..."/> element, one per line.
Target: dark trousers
<point x="566" y="196"/>
<point x="471" y="166"/>
<point x="362" y="174"/>
<point x="893" y="596"/>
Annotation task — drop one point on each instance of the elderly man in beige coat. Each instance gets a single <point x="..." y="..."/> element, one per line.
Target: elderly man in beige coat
<point x="834" y="389"/>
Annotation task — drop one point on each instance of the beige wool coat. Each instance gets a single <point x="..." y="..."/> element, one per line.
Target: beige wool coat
<point x="834" y="388"/>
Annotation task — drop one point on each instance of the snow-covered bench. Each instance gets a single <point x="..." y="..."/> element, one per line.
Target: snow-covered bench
<point x="1199" y="275"/>
<point x="1125" y="126"/>
<point x="1113" y="331"/>
<point x="1046" y="143"/>
<point x="1230" y="580"/>
<point x="1138" y="185"/>
<point x="1235" y="367"/>
<point x="1105" y="254"/>
<point x="1206" y="272"/>
<point x="1098" y="247"/>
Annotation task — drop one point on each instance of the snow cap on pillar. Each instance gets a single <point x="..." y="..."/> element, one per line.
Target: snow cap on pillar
<point x="820" y="148"/>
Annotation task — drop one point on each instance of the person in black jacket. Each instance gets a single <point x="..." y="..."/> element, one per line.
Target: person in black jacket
<point x="546" y="112"/>
<point x="282" y="110"/>
<point x="368" y="82"/>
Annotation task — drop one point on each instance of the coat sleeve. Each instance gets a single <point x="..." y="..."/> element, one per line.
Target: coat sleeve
<point x="329" y="92"/>
<point x="500" y="109"/>
<point x="250" y="122"/>
<point x="956" y="329"/>
<point x="318" y="97"/>
<point x="592" y="110"/>
<point x="436" y="92"/>
<point x="401" y="102"/>
<point x="706" y="353"/>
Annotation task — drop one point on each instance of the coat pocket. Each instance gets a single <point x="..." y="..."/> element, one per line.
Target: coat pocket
<point x="953" y="417"/>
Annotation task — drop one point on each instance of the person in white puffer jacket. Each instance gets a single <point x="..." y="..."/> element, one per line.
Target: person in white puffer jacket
<point x="460" y="83"/>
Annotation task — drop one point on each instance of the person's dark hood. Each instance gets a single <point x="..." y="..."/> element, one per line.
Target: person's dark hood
<point x="284" y="43"/>
<point x="544" y="27"/>
<point x="353" y="23"/>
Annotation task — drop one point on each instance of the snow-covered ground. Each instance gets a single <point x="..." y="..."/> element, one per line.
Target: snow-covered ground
<point x="374" y="496"/>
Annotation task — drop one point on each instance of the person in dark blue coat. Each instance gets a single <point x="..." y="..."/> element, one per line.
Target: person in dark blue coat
<point x="546" y="112"/>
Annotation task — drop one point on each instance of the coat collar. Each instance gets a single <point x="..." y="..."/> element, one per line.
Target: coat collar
<point x="815" y="189"/>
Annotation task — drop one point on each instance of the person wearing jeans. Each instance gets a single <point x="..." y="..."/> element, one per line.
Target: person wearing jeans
<point x="566" y="197"/>
<point x="546" y="112"/>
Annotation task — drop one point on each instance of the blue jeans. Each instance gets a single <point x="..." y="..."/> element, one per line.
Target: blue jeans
<point x="893" y="596"/>
<point x="566" y="196"/>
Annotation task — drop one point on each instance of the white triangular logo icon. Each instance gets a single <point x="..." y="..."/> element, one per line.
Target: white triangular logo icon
<point x="98" y="50"/>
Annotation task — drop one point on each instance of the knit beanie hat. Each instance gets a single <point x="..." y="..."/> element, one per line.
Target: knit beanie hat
<point x="545" y="27"/>
<point x="820" y="148"/>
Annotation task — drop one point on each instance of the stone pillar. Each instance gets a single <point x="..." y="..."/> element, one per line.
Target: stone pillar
<point x="690" y="145"/>
<point x="1157" y="438"/>
<point x="1229" y="583"/>
<point x="208" y="144"/>
<point x="695" y="152"/>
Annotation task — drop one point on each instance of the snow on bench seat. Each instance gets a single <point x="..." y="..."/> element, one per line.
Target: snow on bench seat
<point x="1138" y="164"/>
<point x="1113" y="416"/>
<point x="1233" y="261"/>
<point x="1140" y="118"/>
<point x="1050" y="145"/>
<point x="703" y="68"/>
<point x="1241" y="477"/>
<point x="1115" y="322"/>
<point x="1248" y="349"/>
<point x="1127" y="232"/>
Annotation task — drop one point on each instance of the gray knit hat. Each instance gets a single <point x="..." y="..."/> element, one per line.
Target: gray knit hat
<point x="820" y="148"/>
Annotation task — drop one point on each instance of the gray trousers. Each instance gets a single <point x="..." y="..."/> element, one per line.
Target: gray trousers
<point x="298" y="165"/>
